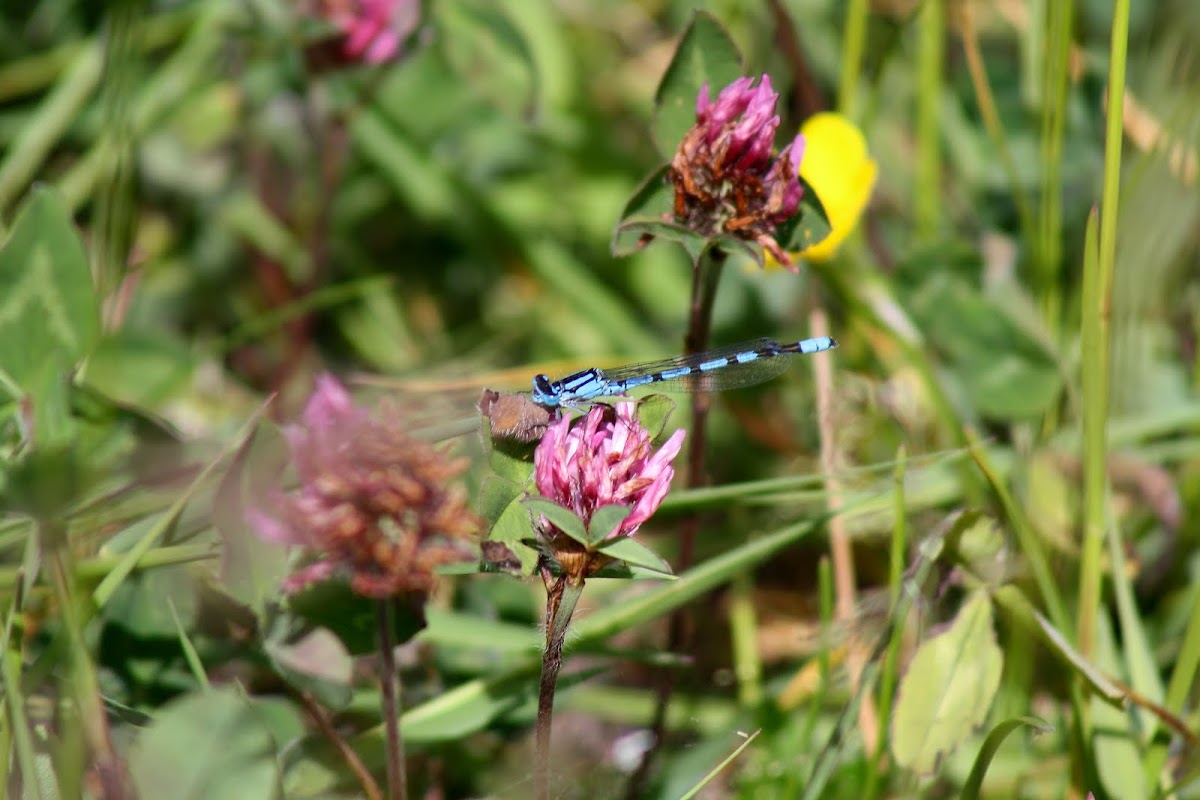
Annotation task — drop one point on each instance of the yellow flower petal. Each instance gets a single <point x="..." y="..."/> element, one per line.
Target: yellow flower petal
<point x="836" y="164"/>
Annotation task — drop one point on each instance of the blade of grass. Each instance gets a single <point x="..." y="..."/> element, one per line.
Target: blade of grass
<point x="933" y="486"/>
<point x="717" y="770"/>
<point x="46" y="128"/>
<point x="1135" y="647"/>
<point x="89" y="739"/>
<point x="1095" y="322"/>
<point x="38" y="70"/>
<point x="1048" y="242"/>
<point x="854" y="41"/>
<point x="188" y="66"/>
<point x="743" y="628"/>
<point x="189" y="650"/>
<point x="17" y="728"/>
<point x="973" y="787"/>
<point x="1095" y="449"/>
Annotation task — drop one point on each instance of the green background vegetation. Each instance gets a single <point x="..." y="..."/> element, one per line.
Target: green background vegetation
<point x="1018" y="315"/>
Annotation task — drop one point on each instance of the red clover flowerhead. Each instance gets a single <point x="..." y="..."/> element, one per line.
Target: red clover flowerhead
<point x="374" y="503"/>
<point x="606" y="458"/>
<point x="725" y="179"/>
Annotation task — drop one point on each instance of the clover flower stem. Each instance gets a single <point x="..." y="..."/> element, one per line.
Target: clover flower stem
<point x="706" y="276"/>
<point x="704" y="294"/>
<point x="562" y="594"/>
<point x="389" y="680"/>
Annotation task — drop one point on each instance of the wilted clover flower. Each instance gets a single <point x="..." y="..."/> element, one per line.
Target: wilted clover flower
<point x="606" y="458"/>
<point x="725" y="179"/>
<point x="373" y="503"/>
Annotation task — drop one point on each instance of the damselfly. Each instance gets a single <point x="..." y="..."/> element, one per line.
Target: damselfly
<point x="731" y="367"/>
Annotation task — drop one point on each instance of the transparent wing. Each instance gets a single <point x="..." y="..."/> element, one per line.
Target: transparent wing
<point x="648" y="367"/>
<point x="730" y="376"/>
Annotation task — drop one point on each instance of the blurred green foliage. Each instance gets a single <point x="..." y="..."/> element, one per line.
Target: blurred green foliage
<point x="201" y="208"/>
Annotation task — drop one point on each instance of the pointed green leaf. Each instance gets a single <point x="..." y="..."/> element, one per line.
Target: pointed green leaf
<point x="973" y="788"/>
<point x="948" y="688"/>
<point x="706" y="54"/>
<point x="496" y="495"/>
<point x="48" y="306"/>
<point x="809" y="226"/>
<point x="502" y="503"/>
<point x="634" y="234"/>
<point x="649" y="213"/>
<point x="653" y="199"/>
<point x="733" y="246"/>
<point x="605" y="520"/>
<point x="562" y="518"/>
<point x="624" y="571"/>
<point x="634" y="553"/>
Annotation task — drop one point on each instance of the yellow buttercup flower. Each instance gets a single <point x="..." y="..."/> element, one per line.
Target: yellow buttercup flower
<point x="836" y="164"/>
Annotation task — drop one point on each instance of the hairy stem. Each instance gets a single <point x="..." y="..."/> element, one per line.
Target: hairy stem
<point x="561" y="597"/>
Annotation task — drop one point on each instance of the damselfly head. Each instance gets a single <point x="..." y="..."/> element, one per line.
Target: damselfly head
<point x="544" y="393"/>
